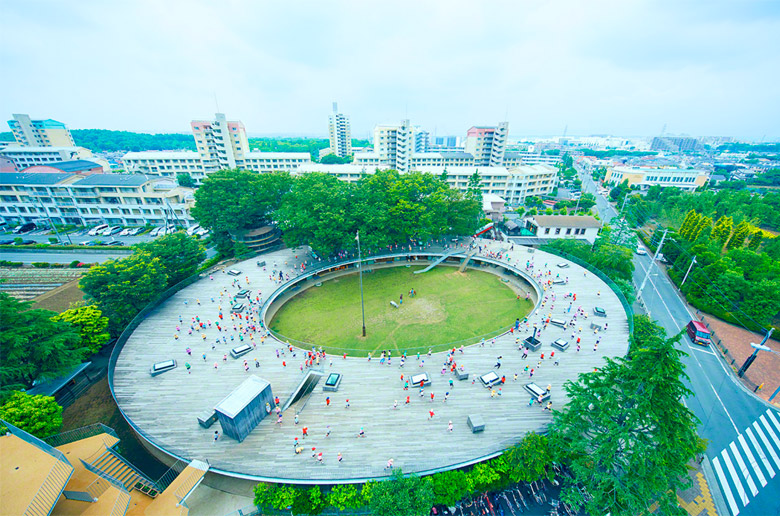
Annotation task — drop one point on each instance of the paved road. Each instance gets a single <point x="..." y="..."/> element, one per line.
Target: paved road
<point x="743" y="431"/>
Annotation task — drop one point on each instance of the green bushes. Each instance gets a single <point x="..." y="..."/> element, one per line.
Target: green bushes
<point x="6" y="263"/>
<point x="41" y="265"/>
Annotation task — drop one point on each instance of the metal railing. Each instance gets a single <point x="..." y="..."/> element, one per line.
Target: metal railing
<point x="51" y="489"/>
<point x="79" y="433"/>
<point x="611" y="284"/>
<point x="102" y="474"/>
<point x="121" y="504"/>
<point x="188" y="485"/>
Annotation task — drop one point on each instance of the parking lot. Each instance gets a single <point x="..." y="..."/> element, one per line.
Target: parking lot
<point x="78" y="237"/>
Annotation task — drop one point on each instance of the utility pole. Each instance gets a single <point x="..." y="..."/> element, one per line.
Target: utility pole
<point x="647" y="274"/>
<point x="360" y="269"/>
<point x="751" y="358"/>
<point x="688" y="271"/>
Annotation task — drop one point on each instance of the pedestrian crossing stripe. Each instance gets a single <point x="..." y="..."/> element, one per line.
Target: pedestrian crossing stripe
<point x="751" y="457"/>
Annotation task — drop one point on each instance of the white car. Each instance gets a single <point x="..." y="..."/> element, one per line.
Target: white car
<point x="193" y="229"/>
<point x="641" y="251"/>
<point x="113" y="230"/>
<point x="97" y="229"/>
<point x="169" y="230"/>
<point x="155" y="232"/>
<point x="125" y="232"/>
<point x="203" y="232"/>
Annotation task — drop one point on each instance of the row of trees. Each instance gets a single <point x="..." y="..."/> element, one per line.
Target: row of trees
<point x="103" y="140"/>
<point x="625" y="435"/>
<point x="324" y="212"/>
<point x="311" y="145"/>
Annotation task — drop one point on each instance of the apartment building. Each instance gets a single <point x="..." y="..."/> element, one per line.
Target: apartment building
<point x="67" y="198"/>
<point x="23" y="157"/>
<point x="511" y="184"/>
<point x="564" y="226"/>
<point x="339" y="133"/>
<point x="644" y="178"/>
<point x="221" y="144"/>
<point x="516" y="158"/>
<point x="487" y="144"/>
<point x="394" y="145"/>
<point x="40" y="133"/>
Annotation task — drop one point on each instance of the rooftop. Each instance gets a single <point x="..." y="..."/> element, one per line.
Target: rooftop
<point x="71" y="166"/>
<point x="162" y="155"/>
<point x="114" y="180"/>
<point x="241" y="396"/>
<point x="20" y="149"/>
<point x="276" y="155"/>
<point x="40" y="178"/>
<point x="566" y="221"/>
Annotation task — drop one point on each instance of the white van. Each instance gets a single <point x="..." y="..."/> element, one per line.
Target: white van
<point x="97" y="229"/>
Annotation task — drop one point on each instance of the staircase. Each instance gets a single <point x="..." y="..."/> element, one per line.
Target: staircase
<point x="50" y="491"/>
<point x="115" y="466"/>
<point x="466" y="260"/>
<point x="438" y="261"/>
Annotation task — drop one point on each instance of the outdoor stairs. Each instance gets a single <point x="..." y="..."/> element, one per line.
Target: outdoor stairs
<point x="438" y="261"/>
<point x="50" y="491"/>
<point x="117" y="467"/>
<point x="466" y="260"/>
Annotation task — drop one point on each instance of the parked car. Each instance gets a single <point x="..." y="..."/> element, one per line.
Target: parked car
<point x="27" y="242"/>
<point x="6" y="242"/>
<point x="24" y="228"/>
<point x="135" y="231"/>
<point x="170" y="230"/>
<point x="97" y="229"/>
<point x="113" y="242"/>
<point x="193" y="229"/>
<point x="155" y="231"/>
<point x="125" y="232"/>
<point x="203" y="232"/>
<point x="113" y="230"/>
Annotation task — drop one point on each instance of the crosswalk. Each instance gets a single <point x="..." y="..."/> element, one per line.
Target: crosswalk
<point x="750" y="462"/>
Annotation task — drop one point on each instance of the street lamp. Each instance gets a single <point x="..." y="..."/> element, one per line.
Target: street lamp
<point x="751" y="358"/>
<point x="360" y="269"/>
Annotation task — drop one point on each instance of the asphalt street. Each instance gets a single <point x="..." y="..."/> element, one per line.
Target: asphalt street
<point x="743" y="431"/>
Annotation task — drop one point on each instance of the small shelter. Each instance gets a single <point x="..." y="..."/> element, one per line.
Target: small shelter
<point x="241" y="410"/>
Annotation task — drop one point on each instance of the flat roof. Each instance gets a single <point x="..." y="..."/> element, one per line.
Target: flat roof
<point x="40" y="178"/>
<point x="276" y="155"/>
<point x="566" y="221"/>
<point x="114" y="180"/>
<point x="235" y="402"/>
<point x="76" y="165"/>
<point x="162" y="155"/>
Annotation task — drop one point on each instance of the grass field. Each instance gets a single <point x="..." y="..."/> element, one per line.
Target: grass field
<point x="449" y="306"/>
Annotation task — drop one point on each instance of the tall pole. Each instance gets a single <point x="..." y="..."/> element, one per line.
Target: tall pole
<point x="360" y="269"/>
<point x="688" y="271"/>
<point x="751" y="358"/>
<point x="649" y="267"/>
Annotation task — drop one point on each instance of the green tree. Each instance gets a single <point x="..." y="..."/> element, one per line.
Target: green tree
<point x="344" y="497"/>
<point x="625" y="432"/>
<point x="234" y="200"/>
<point x="449" y="486"/>
<point x="755" y="240"/>
<point x="91" y="325"/>
<point x="185" y="179"/>
<point x="481" y="477"/>
<point x="531" y="458"/>
<point x="332" y="159"/>
<point x="179" y="254"/>
<point x="278" y="496"/>
<point x="122" y="288"/>
<point x="722" y="230"/>
<point x="410" y="496"/>
<point x="309" y="501"/>
<point x="737" y="239"/>
<point x="40" y="416"/>
<point x="474" y="188"/>
<point x="33" y="346"/>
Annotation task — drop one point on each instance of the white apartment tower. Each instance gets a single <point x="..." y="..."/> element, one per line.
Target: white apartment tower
<point x="488" y="144"/>
<point x="222" y="144"/>
<point x="340" y="137"/>
<point x="422" y="140"/>
<point x="394" y="145"/>
<point x="40" y="133"/>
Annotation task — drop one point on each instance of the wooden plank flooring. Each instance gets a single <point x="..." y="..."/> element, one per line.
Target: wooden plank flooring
<point x="166" y="407"/>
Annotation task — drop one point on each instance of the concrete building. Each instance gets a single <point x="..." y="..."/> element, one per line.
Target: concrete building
<point x="81" y="473"/>
<point x="120" y="199"/>
<point x="339" y="133"/>
<point x="40" y="133"/>
<point x="447" y="142"/>
<point x="222" y="144"/>
<point x="512" y="184"/>
<point x="422" y="140"/>
<point x="81" y="167"/>
<point x="493" y="207"/>
<point x="644" y="178"/>
<point x="675" y="144"/>
<point x="394" y="145"/>
<point x="516" y="158"/>
<point x="564" y="226"/>
<point x="487" y="144"/>
<point x="23" y="157"/>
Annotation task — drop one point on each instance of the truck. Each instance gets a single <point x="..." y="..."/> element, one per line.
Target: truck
<point x="699" y="333"/>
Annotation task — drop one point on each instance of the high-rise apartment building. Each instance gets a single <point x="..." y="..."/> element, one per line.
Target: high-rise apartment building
<point x="488" y="144"/>
<point x="221" y="144"/>
<point x="338" y="130"/>
<point x="675" y="144"/>
<point x="40" y="133"/>
<point x="394" y="145"/>
<point x="422" y="140"/>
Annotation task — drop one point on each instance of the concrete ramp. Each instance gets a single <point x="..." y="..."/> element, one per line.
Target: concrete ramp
<point x="438" y="261"/>
<point x="467" y="260"/>
<point x="305" y="387"/>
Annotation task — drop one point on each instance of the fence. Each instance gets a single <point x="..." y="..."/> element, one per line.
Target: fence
<point x="79" y="434"/>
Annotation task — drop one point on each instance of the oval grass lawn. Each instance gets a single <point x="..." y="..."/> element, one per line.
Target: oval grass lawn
<point x="450" y="308"/>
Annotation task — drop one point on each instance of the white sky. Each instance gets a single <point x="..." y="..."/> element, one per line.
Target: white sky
<point x="618" y="67"/>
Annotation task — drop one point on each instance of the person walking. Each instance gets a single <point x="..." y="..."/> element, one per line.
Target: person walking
<point x="449" y="426"/>
<point x="216" y="435"/>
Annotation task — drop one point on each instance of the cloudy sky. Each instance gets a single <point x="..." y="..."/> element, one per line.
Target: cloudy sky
<point x="599" y="67"/>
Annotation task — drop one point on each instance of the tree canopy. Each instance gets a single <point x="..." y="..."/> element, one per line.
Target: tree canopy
<point x="407" y="495"/>
<point x="123" y="287"/>
<point x="40" y="416"/>
<point x="104" y="140"/>
<point x="33" y="346"/>
<point x="625" y="432"/>
<point x="91" y="325"/>
<point x="179" y="254"/>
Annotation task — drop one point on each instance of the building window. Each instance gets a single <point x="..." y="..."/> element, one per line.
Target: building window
<point x="557" y="231"/>
<point x="546" y="231"/>
<point x="568" y="231"/>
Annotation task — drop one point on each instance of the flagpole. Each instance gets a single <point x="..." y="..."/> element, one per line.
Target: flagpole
<point x="360" y="268"/>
